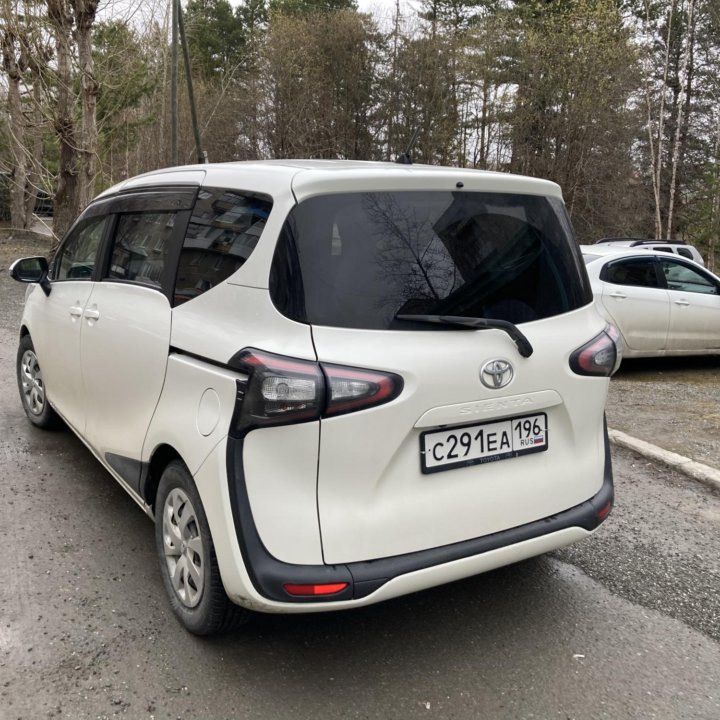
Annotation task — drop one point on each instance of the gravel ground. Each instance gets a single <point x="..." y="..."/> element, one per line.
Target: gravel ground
<point x="11" y="248"/>
<point x="660" y="548"/>
<point x="670" y="402"/>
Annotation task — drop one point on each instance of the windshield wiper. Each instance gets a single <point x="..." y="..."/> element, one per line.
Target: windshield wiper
<point x="523" y="344"/>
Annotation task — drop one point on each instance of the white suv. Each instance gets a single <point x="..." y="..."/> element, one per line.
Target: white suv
<point x="330" y="383"/>
<point x="674" y="247"/>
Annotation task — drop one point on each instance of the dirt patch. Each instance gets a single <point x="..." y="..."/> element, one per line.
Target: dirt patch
<point x="13" y="247"/>
<point x="671" y="402"/>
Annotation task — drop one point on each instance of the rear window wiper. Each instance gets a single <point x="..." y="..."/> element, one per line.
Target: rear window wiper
<point x="523" y="344"/>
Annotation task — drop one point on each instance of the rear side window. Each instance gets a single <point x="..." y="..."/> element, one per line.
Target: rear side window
<point x="679" y="276"/>
<point x="223" y="231"/>
<point x="360" y="259"/>
<point x="142" y="243"/>
<point x="635" y="271"/>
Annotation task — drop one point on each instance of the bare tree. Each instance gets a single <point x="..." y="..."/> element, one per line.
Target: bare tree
<point x="319" y="74"/>
<point x="24" y="53"/>
<point x="67" y="194"/>
<point x="15" y="60"/>
<point x="85" y="12"/>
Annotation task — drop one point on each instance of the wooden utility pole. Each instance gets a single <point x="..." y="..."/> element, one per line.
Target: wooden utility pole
<point x="173" y="85"/>
<point x="178" y="28"/>
<point x="201" y="156"/>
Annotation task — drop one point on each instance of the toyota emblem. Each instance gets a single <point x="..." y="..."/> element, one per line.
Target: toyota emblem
<point x="496" y="374"/>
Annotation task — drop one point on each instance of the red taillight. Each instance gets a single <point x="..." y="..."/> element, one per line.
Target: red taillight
<point x="281" y="390"/>
<point x="314" y="589"/>
<point x="604" y="511"/>
<point x="601" y="356"/>
<point x="350" y="389"/>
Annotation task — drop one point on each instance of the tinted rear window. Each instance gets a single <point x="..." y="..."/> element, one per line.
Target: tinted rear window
<point x="357" y="260"/>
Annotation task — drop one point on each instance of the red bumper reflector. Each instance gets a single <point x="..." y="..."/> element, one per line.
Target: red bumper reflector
<point x="315" y="589"/>
<point x="603" y="512"/>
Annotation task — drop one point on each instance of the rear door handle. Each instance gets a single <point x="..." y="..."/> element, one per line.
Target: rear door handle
<point x="681" y="302"/>
<point x="91" y="314"/>
<point x="617" y="294"/>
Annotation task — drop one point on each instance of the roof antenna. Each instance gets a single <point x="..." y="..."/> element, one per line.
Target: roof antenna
<point x="405" y="158"/>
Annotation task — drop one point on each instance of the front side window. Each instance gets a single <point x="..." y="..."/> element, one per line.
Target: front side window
<point x="360" y="260"/>
<point x="639" y="272"/>
<point x="77" y="256"/>
<point x="679" y="276"/>
<point x="142" y="242"/>
<point x="223" y="231"/>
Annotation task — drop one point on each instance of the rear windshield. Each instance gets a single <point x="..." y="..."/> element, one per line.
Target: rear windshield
<point x="358" y="260"/>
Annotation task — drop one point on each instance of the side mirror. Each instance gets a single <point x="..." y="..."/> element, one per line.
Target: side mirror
<point x="31" y="270"/>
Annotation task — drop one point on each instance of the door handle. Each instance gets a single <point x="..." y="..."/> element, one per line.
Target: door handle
<point x="76" y="310"/>
<point x="91" y="314"/>
<point x="681" y="302"/>
<point x="617" y="294"/>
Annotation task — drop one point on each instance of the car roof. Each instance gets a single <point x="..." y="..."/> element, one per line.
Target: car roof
<point x="637" y="242"/>
<point x="603" y="252"/>
<point x="309" y="177"/>
<point x="616" y="251"/>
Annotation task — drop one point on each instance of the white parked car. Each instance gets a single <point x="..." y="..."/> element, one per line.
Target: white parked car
<point x="674" y="247"/>
<point x="662" y="304"/>
<point x="329" y="383"/>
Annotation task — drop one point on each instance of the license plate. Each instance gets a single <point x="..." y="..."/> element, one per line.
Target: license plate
<point x="483" y="442"/>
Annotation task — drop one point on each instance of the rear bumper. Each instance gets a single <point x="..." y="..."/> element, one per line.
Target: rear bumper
<point x="380" y="579"/>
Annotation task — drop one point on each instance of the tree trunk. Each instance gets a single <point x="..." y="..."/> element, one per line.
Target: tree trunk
<point x="36" y="150"/>
<point x="681" y="120"/>
<point x="67" y="203"/>
<point x="16" y="126"/>
<point x="85" y="11"/>
<point x="714" y="235"/>
<point x="656" y="153"/>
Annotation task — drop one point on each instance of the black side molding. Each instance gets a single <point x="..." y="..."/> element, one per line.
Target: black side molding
<point x="129" y="469"/>
<point x="268" y="574"/>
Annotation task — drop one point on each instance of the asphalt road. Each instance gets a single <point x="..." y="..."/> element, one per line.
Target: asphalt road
<point x="624" y="625"/>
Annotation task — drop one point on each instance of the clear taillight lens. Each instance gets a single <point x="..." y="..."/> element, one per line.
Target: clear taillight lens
<point x="601" y="356"/>
<point x="279" y="390"/>
<point x="285" y="390"/>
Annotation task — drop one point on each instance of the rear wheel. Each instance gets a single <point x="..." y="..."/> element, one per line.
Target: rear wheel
<point x="32" y="387"/>
<point x="187" y="557"/>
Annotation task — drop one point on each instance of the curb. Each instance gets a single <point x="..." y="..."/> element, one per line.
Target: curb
<point x="697" y="471"/>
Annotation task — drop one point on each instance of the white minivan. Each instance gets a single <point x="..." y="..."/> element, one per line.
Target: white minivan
<point x="330" y="383"/>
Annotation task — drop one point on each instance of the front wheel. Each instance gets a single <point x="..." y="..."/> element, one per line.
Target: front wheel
<point x="32" y="387"/>
<point x="188" y="564"/>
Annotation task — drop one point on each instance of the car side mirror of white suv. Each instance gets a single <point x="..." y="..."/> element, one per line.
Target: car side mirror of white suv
<point x="32" y="270"/>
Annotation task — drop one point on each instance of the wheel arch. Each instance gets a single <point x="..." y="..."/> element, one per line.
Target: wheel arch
<point x="161" y="457"/>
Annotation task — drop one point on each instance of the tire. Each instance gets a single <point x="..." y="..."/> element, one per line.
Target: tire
<point x="186" y="552"/>
<point x="32" y="388"/>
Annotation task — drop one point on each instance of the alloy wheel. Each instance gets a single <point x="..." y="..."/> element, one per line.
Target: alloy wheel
<point x="31" y="379"/>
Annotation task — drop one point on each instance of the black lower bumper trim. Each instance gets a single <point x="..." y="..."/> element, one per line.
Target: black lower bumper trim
<point x="268" y="574"/>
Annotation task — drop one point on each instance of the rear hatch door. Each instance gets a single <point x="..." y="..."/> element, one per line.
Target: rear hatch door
<point x="481" y="438"/>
